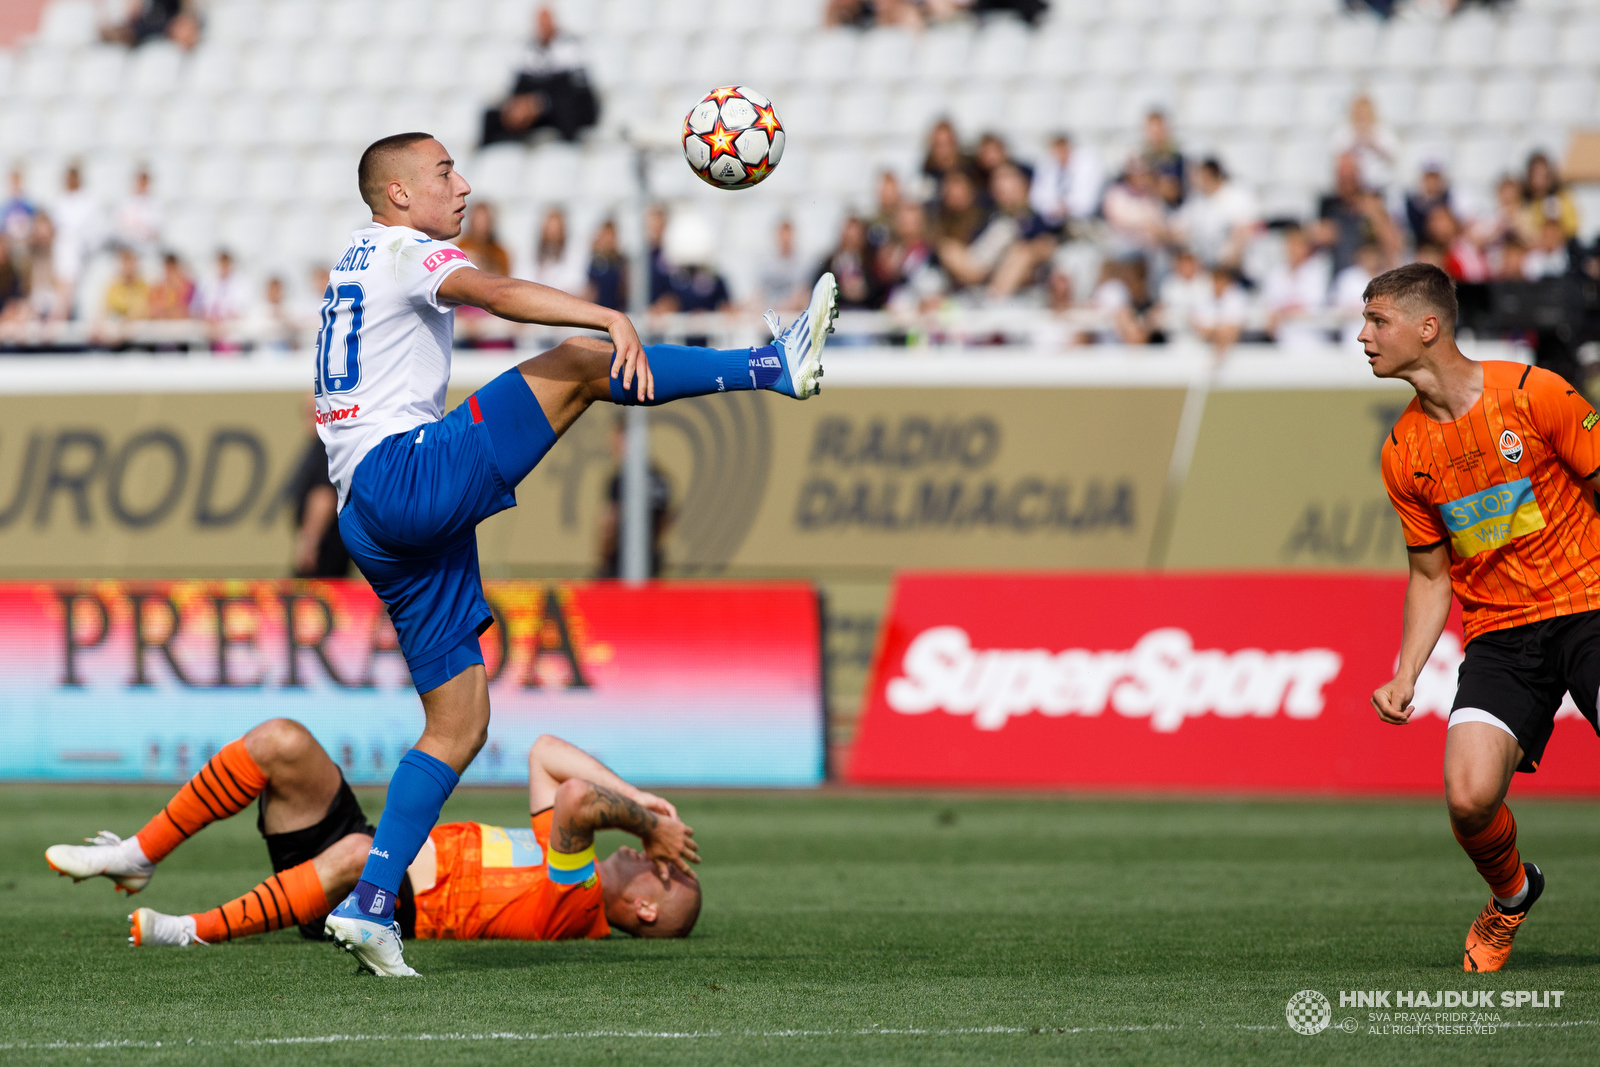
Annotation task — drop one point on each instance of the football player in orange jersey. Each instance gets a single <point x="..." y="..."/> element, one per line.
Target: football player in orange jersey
<point x="1490" y="468"/>
<point x="470" y="880"/>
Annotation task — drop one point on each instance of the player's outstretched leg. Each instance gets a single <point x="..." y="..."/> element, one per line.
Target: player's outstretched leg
<point x="228" y="782"/>
<point x="1479" y="761"/>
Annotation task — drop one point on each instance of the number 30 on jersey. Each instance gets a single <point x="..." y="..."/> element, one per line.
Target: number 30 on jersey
<point x="339" y="363"/>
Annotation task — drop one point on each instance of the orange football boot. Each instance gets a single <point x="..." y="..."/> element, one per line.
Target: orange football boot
<point x="1489" y="940"/>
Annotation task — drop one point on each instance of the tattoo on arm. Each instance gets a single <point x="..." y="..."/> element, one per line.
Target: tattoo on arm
<point x="602" y="808"/>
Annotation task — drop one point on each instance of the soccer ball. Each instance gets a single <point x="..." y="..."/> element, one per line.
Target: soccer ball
<point x="732" y="138"/>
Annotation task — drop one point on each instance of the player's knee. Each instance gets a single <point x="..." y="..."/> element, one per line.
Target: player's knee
<point x="1471" y="809"/>
<point x="279" y="741"/>
<point x="540" y="749"/>
<point x="347" y="857"/>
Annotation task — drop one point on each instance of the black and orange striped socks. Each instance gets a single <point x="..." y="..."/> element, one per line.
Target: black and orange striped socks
<point x="288" y="898"/>
<point x="1494" y="852"/>
<point x="225" y="786"/>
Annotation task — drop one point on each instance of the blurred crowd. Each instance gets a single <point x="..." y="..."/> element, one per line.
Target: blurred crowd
<point x="1168" y="247"/>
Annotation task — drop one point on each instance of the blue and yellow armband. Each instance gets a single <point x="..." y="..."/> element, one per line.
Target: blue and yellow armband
<point x="573" y="869"/>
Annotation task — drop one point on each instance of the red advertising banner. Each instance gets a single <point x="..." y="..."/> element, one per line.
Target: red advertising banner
<point x="1226" y="682"/>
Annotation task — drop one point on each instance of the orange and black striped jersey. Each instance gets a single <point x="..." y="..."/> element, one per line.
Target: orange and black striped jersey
<point x="1503" y="486"/>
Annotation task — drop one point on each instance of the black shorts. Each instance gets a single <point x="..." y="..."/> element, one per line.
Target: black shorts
<point x="344" y="818"/>
<point x="1520" y="674"/>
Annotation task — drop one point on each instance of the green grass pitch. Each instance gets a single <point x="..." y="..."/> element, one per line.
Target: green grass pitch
<point x="844" y="928"/>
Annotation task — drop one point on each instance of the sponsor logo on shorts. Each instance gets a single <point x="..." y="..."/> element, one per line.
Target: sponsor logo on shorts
<point x="337" y="415"/>
<point x="441" y="257"/>
<point x="1163" y="678"/>
<point x="1510" y="445"/>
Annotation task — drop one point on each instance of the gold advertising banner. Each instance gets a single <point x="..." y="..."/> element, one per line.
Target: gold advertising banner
<point x="1290" y="479"/>
<point x="865" y="481"/>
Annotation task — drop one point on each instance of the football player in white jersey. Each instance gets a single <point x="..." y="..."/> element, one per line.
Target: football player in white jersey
<point x="415" y="481"/>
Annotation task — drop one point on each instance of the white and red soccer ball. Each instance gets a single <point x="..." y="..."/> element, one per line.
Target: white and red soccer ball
<point x="733" y="138"/>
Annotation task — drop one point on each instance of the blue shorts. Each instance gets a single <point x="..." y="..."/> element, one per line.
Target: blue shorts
<point x="410" y="520"/>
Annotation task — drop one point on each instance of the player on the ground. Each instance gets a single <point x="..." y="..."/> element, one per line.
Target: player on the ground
<point x="471" y="880"/>
<point x="414" y="483"/>
<point x="1490" y="468"/>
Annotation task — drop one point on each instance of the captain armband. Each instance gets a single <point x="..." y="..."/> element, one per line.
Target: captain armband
<point x="573" y="869"/>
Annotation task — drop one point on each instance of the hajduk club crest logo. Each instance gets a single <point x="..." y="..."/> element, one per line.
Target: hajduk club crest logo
<point x="1510" y="445"/>
<point x="1308" y="1012"/>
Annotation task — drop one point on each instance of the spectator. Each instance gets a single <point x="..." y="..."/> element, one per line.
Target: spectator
<point x="784" y="276"/>
<point x="1012" y="246"/>
<point x="991" y="155"/>
<point x="1160" y="153"/>
<point x="482" y="244"/>
<point x="47" y="298"/>
<point x="852" y="264"/>
<point x="864" y="13"/>
<point x="137" y="224"/>
<point x="1221" y="319"/>
<point x="881" y="227"/>
<point x="1349" y="287"/>
<point x="608" y="269"/>
<point x="1219" y="220"/>
<point x="272" y="325"/>
<point x="1066" y="185"/>
<point x="1122" y="297"/>
<point x="551" y="90"/>
<point x="149" y="19"/>
<point x="1295" y="294"/>
<point x="1135" y="215"/>
<point x="1431" y="191"/>
<point x="1352" y="216"/>
<point x="1511" y="261"/>
<point x="959" y="218"/>
<point x="1463" y="260"/>
<point x="1549" y="258"/>
<point x="1184" y="292"/>
<point x="1371" y="144"/>
<point x="77" y="232"/>
<point x="223" y="298"/>
<point x="1544" y="197"/>
<point x="690" y="245"/>
<point x="660" y="493"/>
<point x="944" y="156"/>
<point x="557" y="262"/>
<point x="12" y="289"/>
<point x="173" y="295"/>
<point x="907" y="267"/>
<point x="655" y="229"/>
<point x="128" y="295"/>
<point x="318" y="551"/>
<point x="16" y="214"/>
<point x="1506" y="221"/>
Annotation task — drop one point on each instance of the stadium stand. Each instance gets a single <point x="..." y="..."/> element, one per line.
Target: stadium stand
<point x="251" y="137"/>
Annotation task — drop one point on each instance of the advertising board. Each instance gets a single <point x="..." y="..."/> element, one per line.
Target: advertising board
<point x="1213" y="682"/>
<point x="688" y="683"/>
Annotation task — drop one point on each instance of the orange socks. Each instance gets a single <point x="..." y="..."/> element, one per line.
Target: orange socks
<point x="286" y="899"/>
<point x="1494" y="852"/>
<point x="228" y="782"/>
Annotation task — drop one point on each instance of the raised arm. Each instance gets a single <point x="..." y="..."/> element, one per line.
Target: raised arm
<point x="1427" y="610"/>
<point x="588" y="797"/>
<point x="520" y="301"/>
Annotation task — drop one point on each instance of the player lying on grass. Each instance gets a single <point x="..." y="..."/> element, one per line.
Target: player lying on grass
<point x="469" y="881"/>
<point x="1491" y="468"/>
<point x="414" y="482"/>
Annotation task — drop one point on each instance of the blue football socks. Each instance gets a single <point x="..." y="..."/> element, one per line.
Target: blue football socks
<point x="681" y="371"/>
<point x="418" y="790"/>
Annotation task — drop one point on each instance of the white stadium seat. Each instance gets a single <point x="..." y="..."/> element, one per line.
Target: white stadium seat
<point x="291" y="21"/>
<point x="265" y="69"/>
<point x="793" y="15"/>
<point x="186" y="122"/>
<point x="1567" y="98"/>
<point x="978" y="107"/>
<point x="1507" y="98"/>
<point x="69" y="126"/>
<point x="380" y="65"/>
<point x="1303" y="162"/>
<point x="407" y="110"/>
<point x="1395" y="97"/>
<point x="491" y="69"/>
<point x="1035" y="108"/>
<point x="608" y="174"/>
<point x="552" y="170"/>
<point x="1408" y="44"/>
<point x="1579" y="41"/>
<point x="1468" y="41"/>
<point x="99" y="72"/>
<point x="1210" y="104"/>
<point x="1057" y="54"/>
<point x="885" y="55"/>
<point x="514" y="18"/>
<point x="1527" y="41"/>
<point x="42" y="74"/>
<point x="1352" y="43"/>
<point x="68" y="23"/>
<point x="1000" y="51"/>
<point x="460" y="20"/>
<point x="241" y="121"/>
<point x="1174" y="48"/>
<point x="234" y="21"/>
<point x="328" y="176"/>
<point x="406" y="18"/>
<point x="1447" y="100"/>
<point x="324" y="65"/>
<point x="830" y="57"/>
<point x="747" y="15"/>
<point x="943" y="54"/>
<point x="1116" y="48"/>
<point x="247" y="227"/>
<point x="1193" y="9"/>
<point x="1270" y="103"/>
<point x="8" y="67"/>
<point x="128" y="123"/>
<point x="457" y="122"/>
<point x="1247" y="157"/>
<point x="436" y="66"/>
<point x="660" y="58"/>
<point x="1291" y="44"/>
<point x="1232" y="45"/>
<point x="1093" y="107"/>
<point x="353" y="120"/>
<point x="860" y="112"/>
<point x="1325" y="100"/>
<point x="213" y="69"/>
<point x="914" y="108"/>
<point x="156" y="68"/>
<point x="777" y="57"/>
<point x="497" y="171"/>
<point x="1480" y="159"/>
<point x="218" y="176"/>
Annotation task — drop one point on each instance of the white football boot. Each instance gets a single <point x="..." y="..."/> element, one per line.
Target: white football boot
<point x="376" y="946"/>
<point x="105" y="855"/>
<point x="801" y="344"/>
<point x="152" y="928"/>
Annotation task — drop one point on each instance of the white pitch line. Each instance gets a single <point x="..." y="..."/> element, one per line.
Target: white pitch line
<point x="325" y="1039"/>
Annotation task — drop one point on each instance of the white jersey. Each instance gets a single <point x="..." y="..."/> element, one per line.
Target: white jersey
<point x="383" y="347"/>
